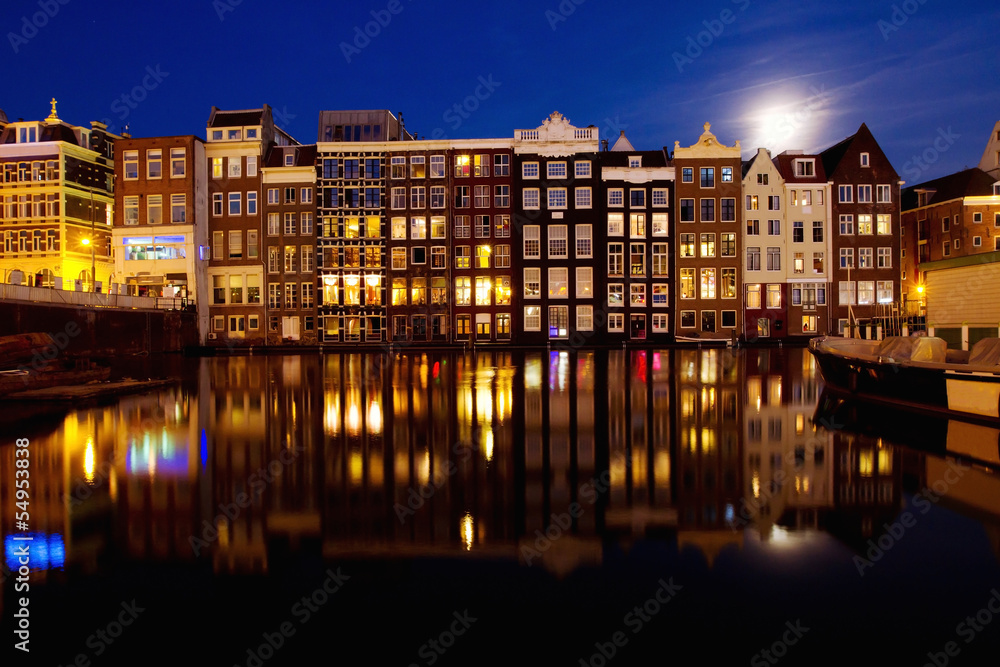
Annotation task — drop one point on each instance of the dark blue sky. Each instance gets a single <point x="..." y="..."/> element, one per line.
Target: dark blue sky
<point x="779" y="74"/>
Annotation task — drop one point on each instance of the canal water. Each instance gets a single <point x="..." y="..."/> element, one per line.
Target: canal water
<point x="688" y="506"/>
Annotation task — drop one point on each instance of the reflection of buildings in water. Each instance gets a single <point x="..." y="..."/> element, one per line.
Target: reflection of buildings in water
<point x="708" y="458"/>
<point x="789" y="478"/>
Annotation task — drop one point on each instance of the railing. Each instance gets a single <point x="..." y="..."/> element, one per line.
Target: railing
<point x="527" y="135"/>
<point x="97" y="299"/>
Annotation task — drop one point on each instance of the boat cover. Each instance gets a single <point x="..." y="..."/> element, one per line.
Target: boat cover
<point x="913" y="348"/>
<point x="898" y="348"/>
<point x="986" y="352"/>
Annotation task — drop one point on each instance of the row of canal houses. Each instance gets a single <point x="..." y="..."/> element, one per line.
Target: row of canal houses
<point x="552" y="236"/>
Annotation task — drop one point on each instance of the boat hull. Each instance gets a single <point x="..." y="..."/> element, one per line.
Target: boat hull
<point x="953" y="390"/>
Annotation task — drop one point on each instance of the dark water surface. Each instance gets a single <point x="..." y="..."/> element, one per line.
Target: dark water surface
<point x="609" y="507"/>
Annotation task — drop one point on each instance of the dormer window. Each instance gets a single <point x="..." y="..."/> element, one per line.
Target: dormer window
<point x="234" y="135"/>
<point x="252" y="133"/>
<point x="216" y="135"/>
<point x="805" y="168"/>
<point x="865" y="162"/>
<point x="289" y="159"/>
<point x="635" y="161"/>
<point x="996" y="189"/>
<point x="27" y="134"/>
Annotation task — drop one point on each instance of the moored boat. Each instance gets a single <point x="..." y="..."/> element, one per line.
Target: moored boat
<point x="915" y="373"/>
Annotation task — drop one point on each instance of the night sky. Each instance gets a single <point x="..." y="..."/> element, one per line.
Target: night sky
<point x="801" y="74"/>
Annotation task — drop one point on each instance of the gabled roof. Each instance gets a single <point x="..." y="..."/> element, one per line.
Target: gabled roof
<point x="785" y="164"/>
<point x="623" y="144"/>
<point x="968" y="183"/>
<point x="834" y="155"/>
<point x="305" y="156"/>
<point x="240" y="118"/>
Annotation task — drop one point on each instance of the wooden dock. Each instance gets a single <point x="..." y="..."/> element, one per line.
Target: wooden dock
<point x="84" y="392"/>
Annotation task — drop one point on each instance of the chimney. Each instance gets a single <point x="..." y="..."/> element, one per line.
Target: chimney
<point x="604" y="145"/>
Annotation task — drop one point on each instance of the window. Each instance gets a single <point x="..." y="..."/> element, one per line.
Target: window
<point x="584" y="282"/>
<point x="634" y="161"/>
<point x="687" y="284"/>
<point x="637" y="198"/>
<point x="418" y="255"/>
<point x="418" y="197"/>
<point x="502" y="257"/>
<point x="660" y="197"/>
<point x="216" y="167"/>
<point x="398" y="258"/>
<point x="616" y="224"/>
<point x="616" y="294"/>
<point x="637" y="225"/>
<point x="558" y="248"/>
<point x="462" y="199"/>
<point x="290" y="224"/>
<point x="437" y="166"/>
<point x="154" y="163"/>
<point x="397" y="167"/>
<point x="418" y="227"/>
<point x="438" y="227"/>
<point x="251" y="203"/>
<point x="131" y="205"/>
<point x="753" y="259"/>
<point x="501" y="196"/>
<point x="235" y="166"/>
<point x="482" y="228"/>
<point x="885" y="255"/>
<point x="501" y="228"/>
<point x="252" y="164"/>
<point x="290" y="252"/>
<point x="753" y="296"/>
<point x="463" y="226"/>
<point x="307" y="223"/>
<point x="501" y="165"/>
<point x="883" y="223"/>
<point x="728" y="210"/>
<point x="804" y="168"/>
<point x="637" y="295"/>
<point x="616" y="259"/>
<point x="235" y="201"/>
<point x="482" y="257"/>
<point x="799" y="263"/>
<point x="946" y="249"/>
<point x="753" y="227"/>
<point x="687" y="210"/>
<point x="637" y="259"/>
<point x="977" y="241"/>
<point x="154" y="209"/>
<point x="708" y="283"/>
<point x="774" y="296"/>
<point x="439" y="257"/>
<point x="584" y="241"/>
<point x="753" y="203"/>
<point x="687" y="245"/>
<point x="977" y="217"/>
<point x="556" y="198"/>
<point x="762" y="179"/>
<point x="727" y="174"/>
<point x="817" y="231"/>
<point x="708" y="245"/>
<point x="708" y="177"/>
<point x="558" y="283"/>
<point x="883" y="194"/>
<point x="708" y="320"/>
<point x="582" y="197"/>
<point x="532" y="283"/>
<point x="529" y="170"/>
<point x="864" y="194"/>
<point x="530" y="198"/>
<point x="864" y="258"/>
<point x="616" y="197"/>
<point x="797" y="232"/>
<point x="532" y="318"/>
<point x="532" y="242"/>
<point x="582" y="169"/>
<point x="661" y="254"/>
<point x="864" y="223"/>
<point x="463" y="291"/>
<point x="352" y="168"/>
<point x="660" y="294"/>
<point x="463" y="257"/>
<point x="659" y="224"/>
<point x="865" y="160"/>
<point x="708" y="210"/>
<point x="774" y="203"/>
<point x="585" y="318"/>
<point x="481" y="196"/>
<point x="847" y="258"/>
<point x="846" y="224"/>
<point x="131" y="159"/>
<point x="616" y="323"/>
<point x="866" y="292"/>
<point x="728" y="243"/>
<point x="884" y="291"/>
<point x="178" y="209"/>
<point x="417" y="166"/>
<point x="945" y="223"/>
<point x="846" y="194"/>
<point x="555" y="170"/>
<point x="397" y="198"/>
<point x="774" y="227"/>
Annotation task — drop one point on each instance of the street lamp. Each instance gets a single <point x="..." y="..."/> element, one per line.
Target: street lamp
<point x="93" y="273"/>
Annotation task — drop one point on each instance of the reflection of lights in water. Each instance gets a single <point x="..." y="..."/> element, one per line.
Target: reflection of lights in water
<point x="730" y="513"/>
<point x="467" y="531"/>
<point x="353" y="419"/>
<point x="355" y="467"/>
<point x="484" y="398"/>
<point x="755" y="484"/>
<point x="375" y="417"/>
<point x="88" y="462"/>
<point x="503" y="398"/>
<point x="533" y="373"/>
<point x="46" y="551"/>
<point x="661" y="466"/>
<point x="758" y="404"/>
<point x="488" y="445"/>
<point x="424" y="468"/>
<point x="331" y="415"/>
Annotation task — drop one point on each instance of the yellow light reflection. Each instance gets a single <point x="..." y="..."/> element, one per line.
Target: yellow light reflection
<point x="353" y="419"/>
<point x="468" y="533"/>
<point x="423" y="465"/>
<point x="331" y="416"/>
<point x="374" y="417"/>
<point x="355" y="468"/>
<point x="88" y="462"/>
<point x="488" y="445"/>
<point x="755" y="484"/>
<point x="865" y="463"/>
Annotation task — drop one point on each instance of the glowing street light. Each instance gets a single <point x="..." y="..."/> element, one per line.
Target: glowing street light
<point x="93" y="270"/>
